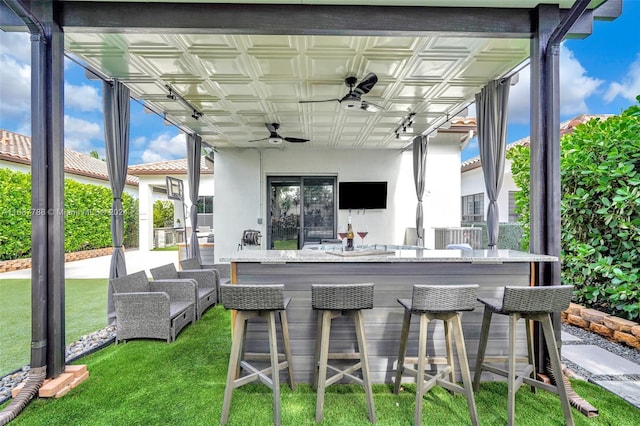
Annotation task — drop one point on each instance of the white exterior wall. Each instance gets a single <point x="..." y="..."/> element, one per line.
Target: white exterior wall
<point x="472" y="182"/>
<point x="240" y="187"/>
<point x="148" y="197"/>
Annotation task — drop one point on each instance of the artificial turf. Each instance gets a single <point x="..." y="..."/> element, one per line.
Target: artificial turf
<point x="146" y="382"/>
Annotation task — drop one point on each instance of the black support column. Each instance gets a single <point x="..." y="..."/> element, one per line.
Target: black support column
<point x="47" y="198"/>
<point x="545" y="194"/>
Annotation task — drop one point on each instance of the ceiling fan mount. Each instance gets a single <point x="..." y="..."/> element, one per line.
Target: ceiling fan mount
<point x="274" y="138"/>
<point x="353" y="99"/>
<point x="350" y="82"/>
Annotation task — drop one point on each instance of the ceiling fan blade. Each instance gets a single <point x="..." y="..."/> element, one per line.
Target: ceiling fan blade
<point x="325" y="100"/>
<point x="368" y="106"/>
<point x="296" y="140"/>
<point x="366" y="84"/>
<point x="271" y="127"/>
<point x="258" y="140"/>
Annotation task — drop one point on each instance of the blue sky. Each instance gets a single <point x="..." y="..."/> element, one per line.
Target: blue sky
<point x="598" y="75"/>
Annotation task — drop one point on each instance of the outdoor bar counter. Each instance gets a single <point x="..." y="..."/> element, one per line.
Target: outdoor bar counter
<point x="393" y="273"/>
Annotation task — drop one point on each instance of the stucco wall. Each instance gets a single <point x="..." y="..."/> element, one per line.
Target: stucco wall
<point x="148" y="197"/>
<point x="472" y="182"/>
<point x="240" y="188"/>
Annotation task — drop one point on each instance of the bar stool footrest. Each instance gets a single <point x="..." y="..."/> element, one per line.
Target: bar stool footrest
<point x="340" y="374"/>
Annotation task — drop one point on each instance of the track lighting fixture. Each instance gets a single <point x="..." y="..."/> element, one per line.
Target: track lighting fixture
<point x="173" y="95"/>
<point x="405" y="129"/>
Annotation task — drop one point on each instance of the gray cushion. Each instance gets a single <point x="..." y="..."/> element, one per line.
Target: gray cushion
<point x="136" y="282"/>
<point x="164" y="272"/>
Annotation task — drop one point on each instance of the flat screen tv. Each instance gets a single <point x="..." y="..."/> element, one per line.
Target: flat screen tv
<point x="362" y="195"/>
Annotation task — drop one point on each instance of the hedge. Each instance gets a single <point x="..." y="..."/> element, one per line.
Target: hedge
<point x="600" y="178"/>
<point x="86" y="209"/>
<point x="509" y="235"/>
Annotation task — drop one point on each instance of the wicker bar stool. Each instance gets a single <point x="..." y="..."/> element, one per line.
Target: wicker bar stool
<point x="332" y="301"/>
<point x="530" y="304"/>
<point x="437" y="302"/>
<point x="252" y="301"/>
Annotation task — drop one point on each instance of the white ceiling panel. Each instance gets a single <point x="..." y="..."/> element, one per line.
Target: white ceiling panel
<point x="240" y="82"/>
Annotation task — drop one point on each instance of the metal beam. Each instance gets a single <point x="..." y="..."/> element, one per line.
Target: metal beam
<point x="292" y="19"/>
<point x="9" y="20"/>
<point x="608" y="11"/>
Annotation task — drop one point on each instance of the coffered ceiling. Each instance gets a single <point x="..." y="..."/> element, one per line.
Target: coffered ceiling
<point x="240" y="82"/>
<point x="242" y="66"/>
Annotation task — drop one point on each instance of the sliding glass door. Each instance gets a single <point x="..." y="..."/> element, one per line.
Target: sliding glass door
<point x="301" y="210"/>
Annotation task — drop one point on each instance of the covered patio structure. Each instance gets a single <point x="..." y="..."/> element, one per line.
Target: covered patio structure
<point x="235" y="67"/>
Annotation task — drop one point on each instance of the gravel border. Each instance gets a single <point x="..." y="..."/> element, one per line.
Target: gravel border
<point x="84" y="346"/>
<point x="589" y="338"/>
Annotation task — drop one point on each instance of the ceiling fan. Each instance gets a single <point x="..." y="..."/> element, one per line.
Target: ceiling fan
<point x="274" y="138"/>
<point x="353" y="99"/>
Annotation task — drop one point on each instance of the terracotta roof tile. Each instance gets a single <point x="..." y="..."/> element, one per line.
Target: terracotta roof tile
<point x="565" y="127"/>
<point x="16" y="148"/>
<point x="168" y="167"/>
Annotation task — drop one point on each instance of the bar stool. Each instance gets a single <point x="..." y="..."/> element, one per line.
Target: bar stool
<point x="251" y="301"/>
<point x="333" y="301"/>
<point x="530" y="304"/>
<point x="437" y="302"/>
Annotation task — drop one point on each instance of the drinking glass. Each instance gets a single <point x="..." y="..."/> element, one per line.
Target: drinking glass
<point x="362" y="232"/>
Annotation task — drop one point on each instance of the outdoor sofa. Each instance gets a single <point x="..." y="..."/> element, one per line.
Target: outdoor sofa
<point x="152" y="310"/>
<point x="223" y="269"/>
<point x="207" y="283"/>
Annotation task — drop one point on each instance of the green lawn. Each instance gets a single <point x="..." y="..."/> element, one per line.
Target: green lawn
<point x="167" y="248"/>
<point x="146" y="382"/>
<point x="285" y="244"/>
<point x="85" y="312"/>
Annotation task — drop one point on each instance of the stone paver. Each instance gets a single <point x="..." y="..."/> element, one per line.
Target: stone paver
<point x="598" y="361"/>
<point x="566" y="337"/>
<point x="98" y="267"/>
<point x="629" y="391"/>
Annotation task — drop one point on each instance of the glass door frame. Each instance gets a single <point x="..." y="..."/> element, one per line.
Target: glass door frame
<point x="299" y="179"/>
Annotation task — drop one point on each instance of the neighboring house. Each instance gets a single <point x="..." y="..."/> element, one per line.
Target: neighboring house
<point x="474" y="200"/>
<point x="152" y="187"/>
<point x="15" y="154"/>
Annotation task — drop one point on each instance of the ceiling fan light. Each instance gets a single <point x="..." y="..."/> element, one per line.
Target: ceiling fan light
<point x="349" y="104"/>
<point x="275" y="141"/>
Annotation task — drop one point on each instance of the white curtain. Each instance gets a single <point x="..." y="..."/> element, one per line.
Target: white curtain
<point x="194" y="145"/>
<point x="491" y="105"/>
<point x="116" y="137"/>
<point x="420" y="144"/>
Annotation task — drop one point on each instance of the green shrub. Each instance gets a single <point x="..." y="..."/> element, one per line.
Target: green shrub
<point x="600" y="177"/>
<point x="509" y="235"/>
<point x="162" y="214"/>
<point x="15" y="214"/>
<point x="87" y="216"/>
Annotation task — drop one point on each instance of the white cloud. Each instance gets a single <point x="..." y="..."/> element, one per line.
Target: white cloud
<point x="82" y="98"/>
<point x="79" y="134"/>
<point x="16" y="45"/>
<point x="575" y="87"/>
<point x="164" y="148"/>
<point x="15" y="88"/>
<point x="138" y="142"/>
<point x="629" y="88"/>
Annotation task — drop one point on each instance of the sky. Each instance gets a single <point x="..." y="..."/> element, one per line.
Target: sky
<point x="598" y="75"/>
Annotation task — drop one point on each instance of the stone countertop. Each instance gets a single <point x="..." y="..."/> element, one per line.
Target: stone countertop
<point x="392" y="256"/>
